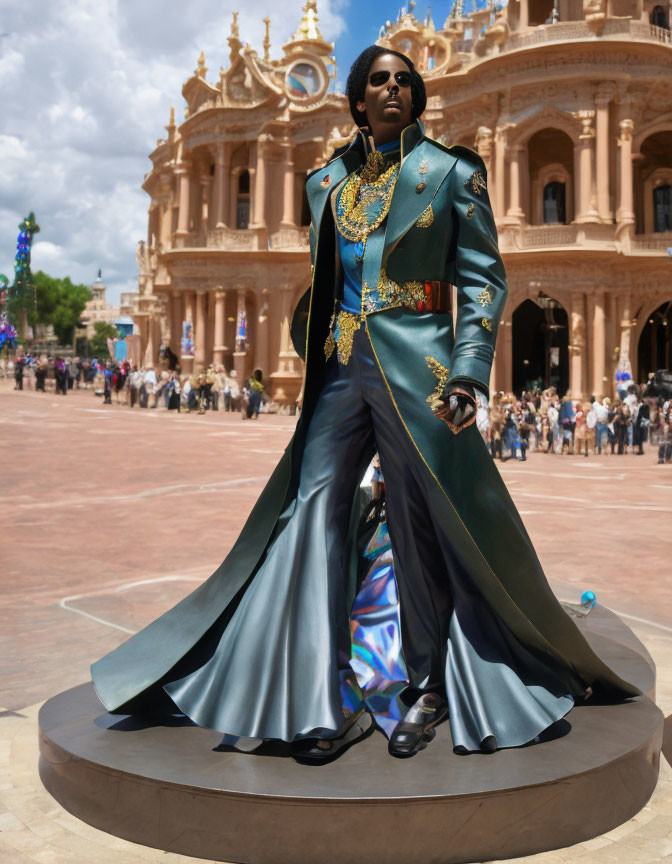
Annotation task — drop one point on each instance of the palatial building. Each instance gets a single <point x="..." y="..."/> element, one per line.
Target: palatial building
<point x="570" y="107"/>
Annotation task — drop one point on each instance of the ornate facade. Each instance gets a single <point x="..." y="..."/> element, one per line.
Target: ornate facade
<point x="570" y="107"/>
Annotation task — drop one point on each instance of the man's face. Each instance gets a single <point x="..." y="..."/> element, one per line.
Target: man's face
<point x="387" y="99"/>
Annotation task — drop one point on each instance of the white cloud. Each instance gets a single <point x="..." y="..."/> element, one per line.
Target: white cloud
<point x="86" y="88"/>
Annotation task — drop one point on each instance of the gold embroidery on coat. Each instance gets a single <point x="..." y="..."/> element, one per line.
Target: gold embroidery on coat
<point x="487" y="323"/>
<point x="425" y="219"/>
<point x="470" y="211"/>
<point x="347" y="325"/>
<point x="442" y="374"/>
<point x="477" y="182"/>
<point x="330" y="342"/>
<point x="485" y="297"/>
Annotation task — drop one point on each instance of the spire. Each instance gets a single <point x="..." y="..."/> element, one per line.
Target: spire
<point x="308" y="28"/>
<point x="234" y="39"/>
<point x="170" y="128"/>
<point x="267" y="39"/>
<point x="201" y="69"/>
<point x="429" y="21"/>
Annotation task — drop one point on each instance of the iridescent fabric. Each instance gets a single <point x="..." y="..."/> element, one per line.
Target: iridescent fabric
<point x="376" y="641"/>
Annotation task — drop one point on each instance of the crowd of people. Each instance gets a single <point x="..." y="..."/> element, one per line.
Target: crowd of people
<point x="538" y="421"/>
<point x="208" y="389"/>
<point x="542" y="421"/>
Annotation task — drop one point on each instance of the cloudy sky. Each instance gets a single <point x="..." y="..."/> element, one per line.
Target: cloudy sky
<point x="86" y="88"/>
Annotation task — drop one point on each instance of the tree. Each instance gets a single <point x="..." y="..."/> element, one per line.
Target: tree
<point x="98" y="345"/>
<point x="60" y="302"/>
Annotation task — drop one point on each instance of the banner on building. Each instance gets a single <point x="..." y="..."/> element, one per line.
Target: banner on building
<point x="187" y="341"/>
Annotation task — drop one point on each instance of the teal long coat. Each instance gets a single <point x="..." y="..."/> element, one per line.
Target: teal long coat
<point x="468" y="494"/>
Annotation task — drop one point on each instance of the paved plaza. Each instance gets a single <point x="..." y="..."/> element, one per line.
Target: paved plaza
<point x="110" y="515"/>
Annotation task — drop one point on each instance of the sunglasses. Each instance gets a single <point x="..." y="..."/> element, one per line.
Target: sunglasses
<point x="377" y="79"/>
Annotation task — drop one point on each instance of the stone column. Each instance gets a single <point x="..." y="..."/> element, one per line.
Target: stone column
<point x="259" y="201"/>
<point x="577" y="344"/>
<point x="288" y="217"/>
<point x="150" y="350"/>
<point x="500" y="171"/>
<point x="602" y="99"/>
<point x="585" y="199"/>
<point x="484" y="145"/>
<point x="261" y="348"/>
<point x="176" y="322"/>
<point x="625" y="214"/>
<point x="515" y="212"/>
<point x="205" y="205"/>
<point x="240" y="352"/>
<point x="166" y="229"/>
<point x="199" y="329"/>
<point x="220" y="325"/>
<point x="599" y="332"/>
<point x="222" y="185"/>
<point x="508" y="354"/>
<point x="184" y="198"/>
<point x="524" y="15"/>
<point x="625" y="308"/>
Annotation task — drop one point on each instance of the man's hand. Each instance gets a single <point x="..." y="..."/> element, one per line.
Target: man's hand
<point x="457" y="407"/>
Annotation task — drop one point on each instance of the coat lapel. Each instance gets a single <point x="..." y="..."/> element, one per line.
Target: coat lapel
<point x="423" y="170"/>
<point x="322" y="182"/>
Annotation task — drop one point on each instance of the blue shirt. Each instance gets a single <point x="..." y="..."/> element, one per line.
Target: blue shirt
<point x="352" y="268"/>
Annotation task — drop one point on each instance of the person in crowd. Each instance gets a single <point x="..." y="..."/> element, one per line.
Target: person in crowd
<point x="640" y="426"/>
<point x="496" y="425"/>
<point x="134" y="384"/>
<point x="567" y="422"/>
<point x="73" y="372"/>
<point x="255" y="386"/>
<point x="41" y="374"/>
<point x="108" y="382"/>
<point x="665" y="446"/>
<point x="61" y="376"/>
<point x="621" y="423"/>
<point x="580" y="430"/>
<point x="150" y="386"/>
<point x="19" y="368"/>
<point x="526" y="424"/>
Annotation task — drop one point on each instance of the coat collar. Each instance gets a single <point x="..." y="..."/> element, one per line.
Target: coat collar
<point x="408" y="201"/>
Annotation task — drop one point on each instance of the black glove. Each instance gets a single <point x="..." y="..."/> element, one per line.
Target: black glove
<point x="457" y="406"/>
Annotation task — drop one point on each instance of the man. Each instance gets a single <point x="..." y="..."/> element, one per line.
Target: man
<point x="263" y="646"/>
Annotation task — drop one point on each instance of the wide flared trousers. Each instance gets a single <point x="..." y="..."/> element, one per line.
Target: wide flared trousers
<point x="280" y="665"/>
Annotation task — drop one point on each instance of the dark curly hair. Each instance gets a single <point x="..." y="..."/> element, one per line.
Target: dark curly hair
<point x="359" y="76"/>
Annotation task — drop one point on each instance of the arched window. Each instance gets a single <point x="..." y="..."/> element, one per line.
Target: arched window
<point x="659" y="17"/>
<point x="243" y="200"/>
<point x="554" y="203"/>
<point x="662" y="208"/>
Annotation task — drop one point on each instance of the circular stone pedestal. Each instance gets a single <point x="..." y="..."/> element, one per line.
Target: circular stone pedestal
<point x="167" y="786"/>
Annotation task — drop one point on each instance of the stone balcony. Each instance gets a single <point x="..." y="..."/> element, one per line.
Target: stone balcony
<point x="244" y="240"/>
<point x="652" y="243"/>
<point x="290" y="239"/>
<point x="586" y="236"/>
<point x="238" y="239"/>
<point x="569" y="31"/>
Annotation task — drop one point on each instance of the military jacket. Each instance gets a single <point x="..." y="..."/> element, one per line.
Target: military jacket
<point x="439" y="228"/>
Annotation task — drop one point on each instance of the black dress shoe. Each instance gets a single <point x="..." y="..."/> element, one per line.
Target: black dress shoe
<point x="360" y="725"/>
<point x="416" y="730"/>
